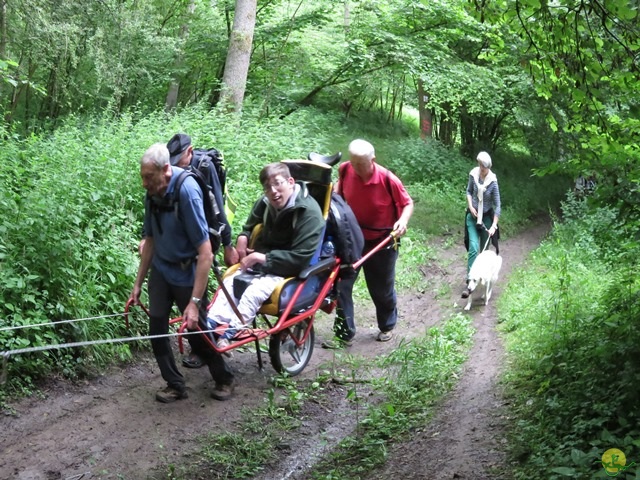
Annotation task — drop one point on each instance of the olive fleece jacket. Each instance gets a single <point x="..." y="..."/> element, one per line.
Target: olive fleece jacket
<point x="289" y="237"/>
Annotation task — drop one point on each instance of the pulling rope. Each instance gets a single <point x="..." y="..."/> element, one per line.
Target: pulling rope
<point x="7" y="353"/>
<point x="48" y="324"/>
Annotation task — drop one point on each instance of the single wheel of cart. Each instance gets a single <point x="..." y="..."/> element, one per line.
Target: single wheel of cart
<point x="290" y="349"/>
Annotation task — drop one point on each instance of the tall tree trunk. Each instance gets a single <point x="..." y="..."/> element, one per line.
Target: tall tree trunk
<point x="426" y="125"/>
<point x="446" y="126"/>
<point x="467" y="138"/>
<point x="347" y="17"/>
<point x="3" y="29"/>
<point x="172" y="95"/>
<point x="234" y="79"/>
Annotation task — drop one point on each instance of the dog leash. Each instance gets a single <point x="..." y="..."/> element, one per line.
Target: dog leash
<point x="486" y="244"/>
<point x="488" y="239"/>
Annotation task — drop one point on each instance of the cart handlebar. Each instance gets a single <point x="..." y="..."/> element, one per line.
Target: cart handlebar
<point x="377" y="248"/>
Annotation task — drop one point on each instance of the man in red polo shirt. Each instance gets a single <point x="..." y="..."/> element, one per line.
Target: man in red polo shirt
<point x="382" y="205"/>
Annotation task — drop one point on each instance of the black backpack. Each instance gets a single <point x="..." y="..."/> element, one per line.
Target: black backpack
<point x="211" y="207"/>
<point x="216" y="158"/>
<point x="343" y="226"/>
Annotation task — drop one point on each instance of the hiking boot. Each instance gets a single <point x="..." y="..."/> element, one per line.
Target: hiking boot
<point x="170" y="395"/>
<point x="224" y="343"/>
<point x="222" y="392"/>
<point x="336" y="344"/>
<point x="385" y="336"/>
<point x="465" y="293"/>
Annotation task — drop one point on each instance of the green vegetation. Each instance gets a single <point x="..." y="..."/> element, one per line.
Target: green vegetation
<point x="569" y="321"/>
<point x="417" y="374"/>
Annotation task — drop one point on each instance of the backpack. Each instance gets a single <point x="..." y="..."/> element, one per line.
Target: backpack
<point x="216" y="158"/>
<point x="211" y="207"/>
<point x="343" y="226"/>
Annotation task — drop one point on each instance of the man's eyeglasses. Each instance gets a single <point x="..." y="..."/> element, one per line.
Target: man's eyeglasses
<point x="277" y="185"/>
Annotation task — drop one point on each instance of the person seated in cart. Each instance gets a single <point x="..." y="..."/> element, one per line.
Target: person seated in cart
<point x="292" y="226"/>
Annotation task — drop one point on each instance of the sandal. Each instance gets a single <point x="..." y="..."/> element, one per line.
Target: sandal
<point x="192" y="361"/>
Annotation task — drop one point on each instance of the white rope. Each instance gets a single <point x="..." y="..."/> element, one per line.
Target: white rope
<point x="43" y="348"/>
<point x="86" y="343"/>
<point x="47" y="324"/>
<point x="8" y="353"/>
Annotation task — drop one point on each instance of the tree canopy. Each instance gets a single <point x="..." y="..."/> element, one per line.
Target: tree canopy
<point x="557" y="78"/>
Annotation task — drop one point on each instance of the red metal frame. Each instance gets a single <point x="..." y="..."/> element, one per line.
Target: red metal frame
<point x="284" y="319"/>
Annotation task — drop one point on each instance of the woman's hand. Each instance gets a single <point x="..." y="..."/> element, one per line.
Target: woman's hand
<point x="492" y="230"/>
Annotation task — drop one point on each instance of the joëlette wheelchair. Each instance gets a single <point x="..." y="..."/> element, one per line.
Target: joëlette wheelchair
<point x="287" y="316"/>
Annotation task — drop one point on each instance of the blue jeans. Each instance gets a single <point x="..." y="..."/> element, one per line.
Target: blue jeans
<point x="477" y="240"/>
<point x="380" y="275"/>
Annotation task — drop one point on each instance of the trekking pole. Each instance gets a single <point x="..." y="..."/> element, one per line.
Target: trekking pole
<point x="374" y="250"/>
<point x="234" y="307"/>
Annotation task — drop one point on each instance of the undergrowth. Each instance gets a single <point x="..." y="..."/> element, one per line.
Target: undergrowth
<point x="569" y="321"/>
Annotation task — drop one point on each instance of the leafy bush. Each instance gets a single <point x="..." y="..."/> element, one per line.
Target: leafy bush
<point x="574" y="348"/>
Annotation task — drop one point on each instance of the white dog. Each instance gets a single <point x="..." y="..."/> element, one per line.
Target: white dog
<point x="484" y="271"/>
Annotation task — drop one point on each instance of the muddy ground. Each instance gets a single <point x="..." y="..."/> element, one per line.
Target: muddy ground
<point x="110" y="427"/>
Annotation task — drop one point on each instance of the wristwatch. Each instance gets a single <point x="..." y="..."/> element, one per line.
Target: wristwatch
<point x="197" y="301"/>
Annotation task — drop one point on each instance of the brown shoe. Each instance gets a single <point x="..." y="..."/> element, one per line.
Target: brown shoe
<point x="223" y="392"/>
<point x="465" y="293"/>
<point x="170" y="395"/>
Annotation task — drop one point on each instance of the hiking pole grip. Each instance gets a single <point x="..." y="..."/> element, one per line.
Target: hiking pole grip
<point x="374" y="250"/>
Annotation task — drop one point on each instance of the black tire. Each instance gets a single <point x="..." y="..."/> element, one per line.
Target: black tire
<point x="285" y="355"/>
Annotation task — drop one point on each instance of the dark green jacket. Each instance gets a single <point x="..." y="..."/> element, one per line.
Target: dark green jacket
<point x="289" y="238"/>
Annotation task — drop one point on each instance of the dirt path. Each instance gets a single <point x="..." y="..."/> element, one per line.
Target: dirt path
<point x="111" y="427"/>
<point x="466" y="439"/>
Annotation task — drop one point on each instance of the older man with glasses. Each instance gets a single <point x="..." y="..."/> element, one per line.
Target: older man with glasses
<point x="292" y="225"/>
